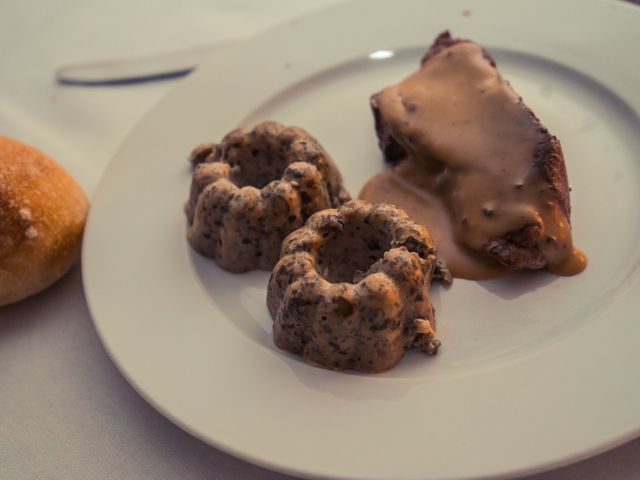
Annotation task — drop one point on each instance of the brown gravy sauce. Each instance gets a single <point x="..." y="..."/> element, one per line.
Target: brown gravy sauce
<point x="469" y="175"/>
<point x="405" y="187"/>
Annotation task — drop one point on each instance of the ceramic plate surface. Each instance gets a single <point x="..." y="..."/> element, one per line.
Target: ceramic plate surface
<point x="536" y="371"/>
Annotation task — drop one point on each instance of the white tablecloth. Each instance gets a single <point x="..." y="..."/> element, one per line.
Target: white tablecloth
<point x="65" y="411"/>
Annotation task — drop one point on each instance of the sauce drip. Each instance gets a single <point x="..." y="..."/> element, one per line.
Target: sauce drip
<point x="404" y="186"/>
<point x="469" y="175"/>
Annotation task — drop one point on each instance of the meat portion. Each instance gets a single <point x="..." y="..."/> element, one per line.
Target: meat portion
<point x="496" y="168"/>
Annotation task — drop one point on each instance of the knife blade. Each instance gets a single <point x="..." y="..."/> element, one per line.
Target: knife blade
<point x="149" y="68"/>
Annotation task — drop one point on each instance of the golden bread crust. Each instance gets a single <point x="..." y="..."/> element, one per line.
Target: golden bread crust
<point x="42" y="216"/>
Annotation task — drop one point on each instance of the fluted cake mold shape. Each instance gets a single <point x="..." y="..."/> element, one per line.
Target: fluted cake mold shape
<point x="252" y="189"/>
<point x="351" y="289"/>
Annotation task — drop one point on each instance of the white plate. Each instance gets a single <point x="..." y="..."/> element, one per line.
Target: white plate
<point x="536" y="371"/>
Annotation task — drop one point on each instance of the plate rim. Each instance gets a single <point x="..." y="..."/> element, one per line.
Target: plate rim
<point x="95" y="311"/>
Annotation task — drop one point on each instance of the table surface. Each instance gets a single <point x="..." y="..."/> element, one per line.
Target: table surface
<point x="65" y="411"/>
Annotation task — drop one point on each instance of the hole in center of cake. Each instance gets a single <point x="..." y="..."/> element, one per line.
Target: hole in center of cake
<point x="258" y="165"/>
<point x="347" y="255"/>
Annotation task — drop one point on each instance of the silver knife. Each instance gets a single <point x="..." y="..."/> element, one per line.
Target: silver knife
<point x="136" y="69"/>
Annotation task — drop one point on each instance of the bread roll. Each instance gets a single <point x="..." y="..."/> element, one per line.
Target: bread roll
<point x="42" y="215"/>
